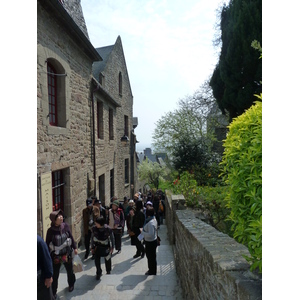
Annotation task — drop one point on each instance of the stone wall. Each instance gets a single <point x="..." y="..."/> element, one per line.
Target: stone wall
<point x="117" y="153"/>
<point x="68" y="147"/>
<point x="65" y="147"/>
<point x="209" y="264"/>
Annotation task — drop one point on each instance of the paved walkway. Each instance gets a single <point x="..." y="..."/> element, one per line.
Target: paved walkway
<point x="127" y="280"/>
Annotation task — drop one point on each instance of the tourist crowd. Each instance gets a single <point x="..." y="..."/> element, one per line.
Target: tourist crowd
<point x="104" y="227"/>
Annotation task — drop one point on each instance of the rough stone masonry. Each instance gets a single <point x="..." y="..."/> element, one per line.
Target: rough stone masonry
<point x="210" y="264"/>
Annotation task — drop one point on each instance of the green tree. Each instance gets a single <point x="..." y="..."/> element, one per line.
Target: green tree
<point x="188" y="122"/>
<point x="238" y="74"/>
<point x="184" y="135"/>
<point x="151" y="172"/>
<point x="184" y="121"/>
<point x="187" y="154"/>
<point x="242" y="170"/>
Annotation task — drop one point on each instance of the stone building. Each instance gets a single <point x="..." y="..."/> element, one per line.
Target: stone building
<point x="76" y="157"/>
<point x="116" y="160"/>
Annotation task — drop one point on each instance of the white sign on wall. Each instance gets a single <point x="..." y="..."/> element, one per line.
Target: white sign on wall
<point x="46" y="191"/>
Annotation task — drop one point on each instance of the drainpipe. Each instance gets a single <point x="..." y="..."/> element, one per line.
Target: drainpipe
<point x="94" y="146"/>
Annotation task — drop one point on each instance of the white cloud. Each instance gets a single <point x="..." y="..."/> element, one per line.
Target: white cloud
<point x="167" y="45"/>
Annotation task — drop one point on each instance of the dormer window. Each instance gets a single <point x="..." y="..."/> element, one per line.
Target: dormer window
<point x="101" y="79"/>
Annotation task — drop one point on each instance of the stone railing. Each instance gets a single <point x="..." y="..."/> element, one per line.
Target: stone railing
<point x="209" y="264"/>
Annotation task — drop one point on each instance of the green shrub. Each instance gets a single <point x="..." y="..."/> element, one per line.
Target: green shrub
<point x="164" y="185"/>
<point x="242" y="171"/>
<point x="207" y="199"/>
<point x="211" y="200"/>
<point x="187" y="186"/>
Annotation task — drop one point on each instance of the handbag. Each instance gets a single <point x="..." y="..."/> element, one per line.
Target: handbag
<point x="77" y="264"/>
<point x="131" y="233"/>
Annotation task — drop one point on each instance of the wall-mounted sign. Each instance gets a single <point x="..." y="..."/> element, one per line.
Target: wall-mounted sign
<point x="46" y="191"/>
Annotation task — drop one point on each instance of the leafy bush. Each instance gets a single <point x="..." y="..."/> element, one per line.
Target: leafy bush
<point x="187" y="186"/>
<point x="211" y="199"/>
<point x="164" y="184"/>
<point x="242" y="171"/>
<point x="208" y="200"/>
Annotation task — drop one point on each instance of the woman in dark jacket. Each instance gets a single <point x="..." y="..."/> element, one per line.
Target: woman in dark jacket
<point x="61" y="243"/>
<point x="138" y="221"/>
<point x="156" y="209"/>
<point x="103" y="243"/>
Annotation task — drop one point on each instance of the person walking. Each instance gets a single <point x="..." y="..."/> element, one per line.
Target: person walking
<point x="103" y="243"/>
<point x="125" y="203"/>
<point x="44" y="271"/>
<point x="61" y="243"/>
<point x="99" y="210"/>
<point x="156" y="209"/>
<point x="127" y="215"/>
<point x="161" y="210"/>
<point x="88" y="222"/>
<point x="150" y="235"/>
<point x="116" y="222"/>
<point x="107" y="208"/>
<point x="138" y="221"/>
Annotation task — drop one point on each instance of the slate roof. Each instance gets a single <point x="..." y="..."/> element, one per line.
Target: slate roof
<point x="149" y="155"/>
<point x="141" y="157"/>
<point x="99" y="66"/>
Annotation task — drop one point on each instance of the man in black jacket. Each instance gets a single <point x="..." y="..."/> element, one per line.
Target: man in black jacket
<point x="138" y="221"/>
<point x="44" y="271"/>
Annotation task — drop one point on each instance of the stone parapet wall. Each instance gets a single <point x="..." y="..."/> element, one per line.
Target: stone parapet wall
<point x="209" y="264"/>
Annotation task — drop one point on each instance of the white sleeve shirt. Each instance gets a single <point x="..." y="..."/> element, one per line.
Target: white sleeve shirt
<point x="150" y="231"/>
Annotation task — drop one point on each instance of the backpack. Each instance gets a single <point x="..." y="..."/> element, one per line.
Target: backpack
<point x="161" y="207"/>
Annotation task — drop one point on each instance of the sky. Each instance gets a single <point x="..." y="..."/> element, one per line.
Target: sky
<point x="150" y="29"/>
<point x="168" y="47"/>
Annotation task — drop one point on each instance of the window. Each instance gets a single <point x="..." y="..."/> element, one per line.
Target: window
<point x="126" y="125"/>
<point x="111" y="124"/>
<point x="100" y="120"/>
<point x="120" y="84"/>
<point x="126" y="171"/>
<point x="102" y="189"/>
<point x="56" y="81"/>
<point x="57" y="190"/>
<point x="101" y="79"/>
<point x="112" y="183"/>
<point x="52" y="95"/>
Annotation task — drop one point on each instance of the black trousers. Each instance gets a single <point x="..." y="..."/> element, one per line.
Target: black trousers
<point x="70" y="275"/>
<point x="44" y="293"/>
<point x="161" y="218"/>
<point x="139" y="246"/>
<point x="98" y="264"/>
<point x="118" y="241"/>
<point x="87" y="241"/>
<point x="151" y="256"/>
<point x="157" y="218"/>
